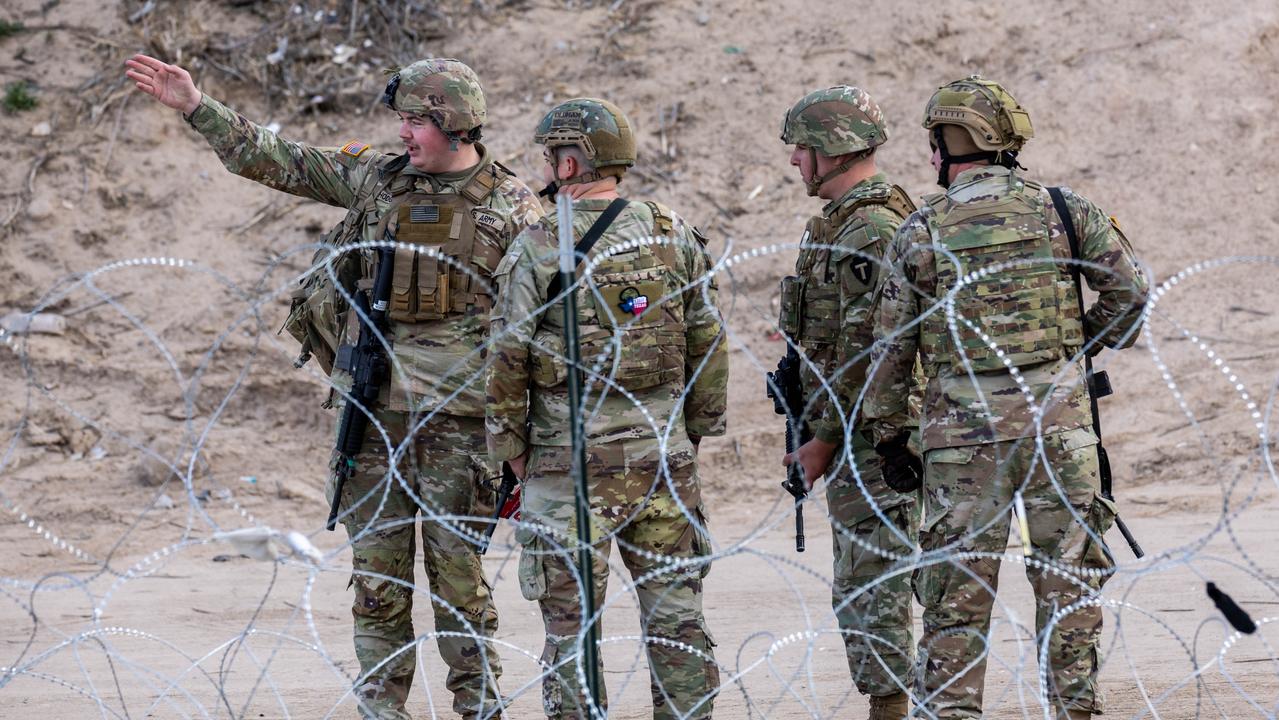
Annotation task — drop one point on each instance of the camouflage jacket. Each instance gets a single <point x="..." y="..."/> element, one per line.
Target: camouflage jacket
<point x="526" y="407"/>
<point x="434" y="360"/>
<point x="969" y="409"/>
<point x="838" y="264"/>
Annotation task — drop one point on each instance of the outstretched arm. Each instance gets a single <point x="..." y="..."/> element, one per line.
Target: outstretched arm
<point x="329" y="175"/>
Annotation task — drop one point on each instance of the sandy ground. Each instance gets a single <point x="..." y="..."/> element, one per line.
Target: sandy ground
<point x="1162" y="113"/>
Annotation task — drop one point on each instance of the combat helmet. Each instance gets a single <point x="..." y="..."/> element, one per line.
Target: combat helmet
<point x="445" y="90"/>
<point x="837" y="121"/>
<point x="996" y="123"/>
<point x="598" y="128"/>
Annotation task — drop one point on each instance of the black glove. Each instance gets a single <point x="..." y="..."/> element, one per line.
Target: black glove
<point x="902" y="471"/>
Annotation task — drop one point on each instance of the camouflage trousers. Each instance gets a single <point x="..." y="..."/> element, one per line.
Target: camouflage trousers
<point x="439" y="473"/>
<point x="871" y="601"/>
<point x="632" y="502"/>
<point x="969" y="508"/>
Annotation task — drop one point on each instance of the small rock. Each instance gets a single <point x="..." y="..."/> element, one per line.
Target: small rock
<point x="43" y="129"/>
<point x="40" y="208"/>
<point x="703" y="18"/>
<point x="97" y="453"/>
<point x="151" y="472"/>
<point x="222" y="494"/>
<point x="84" y="440"/>
<point x="164" y="502"/>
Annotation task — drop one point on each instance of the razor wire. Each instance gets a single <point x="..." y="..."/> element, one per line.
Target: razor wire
<point x="780" y="663"/>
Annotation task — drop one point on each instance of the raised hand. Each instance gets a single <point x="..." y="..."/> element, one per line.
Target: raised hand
<point x="169" y="84"/>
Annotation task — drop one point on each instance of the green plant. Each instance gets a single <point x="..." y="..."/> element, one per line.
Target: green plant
<point x="18" y="97"/>
<point x="9" y="28"/>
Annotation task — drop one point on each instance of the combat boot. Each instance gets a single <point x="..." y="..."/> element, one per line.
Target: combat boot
<point x="889" y="707"/>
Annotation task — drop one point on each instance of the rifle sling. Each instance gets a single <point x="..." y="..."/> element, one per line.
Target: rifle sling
<point x="1076" y="271"/>
<point x="588" y="240"/>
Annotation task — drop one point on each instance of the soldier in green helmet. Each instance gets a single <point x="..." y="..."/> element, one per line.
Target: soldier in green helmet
<point x="655" y="383"/>
<point x="460" y="209"/>
<point x="981" y="284"/>
<point x="825" y="314"/>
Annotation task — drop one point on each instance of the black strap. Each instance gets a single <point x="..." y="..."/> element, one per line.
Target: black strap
<point x="1068" y="224"/>
<point x="588" y="240"/>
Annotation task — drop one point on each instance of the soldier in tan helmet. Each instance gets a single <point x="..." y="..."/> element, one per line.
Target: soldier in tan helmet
<point x="655" y="383"/>
<point x="980" y="284"/>
<point x="446" y="195"/>
<point x="825" y="313"/>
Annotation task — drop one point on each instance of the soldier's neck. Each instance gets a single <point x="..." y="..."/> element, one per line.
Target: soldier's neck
<point x="605" y="189"/>
<point x="466" y="157"/>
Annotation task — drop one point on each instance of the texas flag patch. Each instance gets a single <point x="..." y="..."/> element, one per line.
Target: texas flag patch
<point x="354" y="149"/>
<point x="632" y="302"/>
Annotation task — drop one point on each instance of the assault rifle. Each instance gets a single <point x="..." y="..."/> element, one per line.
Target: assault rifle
<point x="784" y="389"/>
<point x="369" y="367"/>
<point x="504" y="493"/>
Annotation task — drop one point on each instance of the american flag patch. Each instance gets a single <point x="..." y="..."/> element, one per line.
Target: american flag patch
<point x="354" y="149"/>
<point x="424" y="213"/>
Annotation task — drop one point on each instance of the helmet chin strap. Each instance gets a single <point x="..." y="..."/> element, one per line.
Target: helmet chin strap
<point x="947" y="160"/>
<point x="814" y="184"/>
<point x="1007" y="158"/>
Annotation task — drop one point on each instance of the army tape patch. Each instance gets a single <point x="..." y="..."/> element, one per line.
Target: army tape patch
<point x="354" y="149"/>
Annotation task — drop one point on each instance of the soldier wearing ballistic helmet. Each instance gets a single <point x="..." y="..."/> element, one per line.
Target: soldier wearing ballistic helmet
<point x="981" y="284"/>
<point x="460" y="209"/>
<point x="655" y="382"/>
<point x="825" y="313"/>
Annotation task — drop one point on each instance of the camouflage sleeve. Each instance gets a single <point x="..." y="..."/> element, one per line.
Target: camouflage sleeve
<point x="510" y="333"/>
<point x="254" y="152"/>
<point x="857" y="279"/>
<point x="1121" y="286"/>
<point x="893" y="378"/>
<point x="706" y="397"/>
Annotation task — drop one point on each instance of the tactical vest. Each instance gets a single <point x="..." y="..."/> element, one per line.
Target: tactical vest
<point x="319" y="307"/>
<point x="810" y="312"/>
<point x="437" y="278"/>
<point x="1025" y="311"/>
<point x="629" y="329"/>
<point x="427" y="284"/>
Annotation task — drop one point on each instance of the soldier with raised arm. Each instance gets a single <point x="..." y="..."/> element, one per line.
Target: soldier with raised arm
<point x="460" y="209"/>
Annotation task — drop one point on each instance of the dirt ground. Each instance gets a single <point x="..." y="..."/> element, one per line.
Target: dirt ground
<point x="1163" y="113"/>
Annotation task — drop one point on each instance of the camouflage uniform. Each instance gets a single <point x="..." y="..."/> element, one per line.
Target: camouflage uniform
<point x="431" y="412"/>
<point x="826" y="310"/>
<point x="980" y="432"/>
<point x="662" y="384"/>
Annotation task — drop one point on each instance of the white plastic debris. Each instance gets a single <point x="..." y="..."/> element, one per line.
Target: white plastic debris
<point x="277" y="56"/>
<point x="48" y="323"/>
<point x="343" y="53"/>
<point x="264" y="543"/>
<point x="42" y="129"/>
